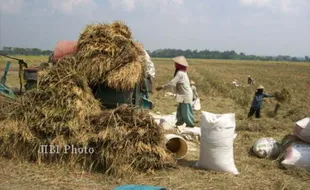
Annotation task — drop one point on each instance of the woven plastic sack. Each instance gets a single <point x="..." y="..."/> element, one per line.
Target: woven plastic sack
<point x="168" y="121"/>
<point x="302" y="129"/>
<point x="216" y="142"/>
<point x="266" y="148"/>
<point x="297" y="155"/>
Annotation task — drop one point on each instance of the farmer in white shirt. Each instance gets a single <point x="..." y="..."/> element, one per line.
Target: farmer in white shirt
<point x="150" y="72"/>
<point x="184" y="92"/>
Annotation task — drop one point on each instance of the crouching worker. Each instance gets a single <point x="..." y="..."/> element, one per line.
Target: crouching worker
<point x="184" y="93"/>
<point x="194" y="89"/>
<point x="257" y="102"/>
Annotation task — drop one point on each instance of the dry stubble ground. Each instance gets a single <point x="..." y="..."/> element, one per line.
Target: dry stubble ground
<point x="213" y="78"/>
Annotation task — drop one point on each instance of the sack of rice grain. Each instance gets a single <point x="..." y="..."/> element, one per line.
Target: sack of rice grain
<point x="297" y="155"/>
<point x="266" y="148"/>
<point x="302" y="129"/>
<point x="216" y="143"/>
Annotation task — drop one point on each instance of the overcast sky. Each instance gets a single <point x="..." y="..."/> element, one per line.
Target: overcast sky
<point x="260" y="27"/>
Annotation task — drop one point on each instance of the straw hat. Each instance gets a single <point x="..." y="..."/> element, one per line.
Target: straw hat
<point x="180" y="60"/>
<point x="260" y="87"/>
<point x="192" y="82"/>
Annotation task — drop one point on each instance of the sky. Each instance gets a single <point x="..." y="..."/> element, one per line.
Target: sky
<point x="259" y="27"/>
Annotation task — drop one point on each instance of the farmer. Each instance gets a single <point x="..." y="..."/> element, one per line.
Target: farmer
<point x="147" y="84"/>
<point x="257" y="102"/>
<point x="194" y="89"/>
<point x="150" y="72"/>
<point x="184" y="93"/>
<point x="250" y="80"/>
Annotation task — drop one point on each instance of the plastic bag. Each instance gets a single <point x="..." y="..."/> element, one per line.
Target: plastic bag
<point x="216" y="143"/>
<point x="266" y="148"/>
<point x="196" y="105"/>
<point x="297" y="155"/>
<point x="302" y="129"/>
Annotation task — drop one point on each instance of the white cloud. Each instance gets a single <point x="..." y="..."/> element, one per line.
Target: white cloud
<point x="130" y="5"/>
<point x="258" y="3"/>
<point x="284" y="6"/>
<point x="68" y="6"/>
<point x="11" y="6"/>
<point x="296" y="6"/>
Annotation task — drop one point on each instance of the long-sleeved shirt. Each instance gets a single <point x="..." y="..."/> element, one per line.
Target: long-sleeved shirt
<point x="182" y="87"/>
<point x="258" y="100"/>
<point x="195" y="94"/>
<point x="150" y="67"/>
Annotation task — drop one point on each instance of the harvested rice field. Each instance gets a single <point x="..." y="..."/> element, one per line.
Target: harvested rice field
<point x="213" y="81"/>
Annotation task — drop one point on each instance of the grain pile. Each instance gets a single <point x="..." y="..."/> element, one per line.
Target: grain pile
<point x="62" y="110"/>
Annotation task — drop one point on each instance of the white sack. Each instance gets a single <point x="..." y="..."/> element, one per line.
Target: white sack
<point x="297" y="155"/>
<point x="168" y="121"/>
<point x="216" y="143"/>
<point x="302" y="129"/>
<point x="266" y="148"/>
<point x="190" y="133"/>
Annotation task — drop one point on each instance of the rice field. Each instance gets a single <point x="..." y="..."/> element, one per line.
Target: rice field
<point x="213" y="80"/>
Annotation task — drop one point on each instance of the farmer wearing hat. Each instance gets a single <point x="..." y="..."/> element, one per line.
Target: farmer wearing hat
<point x="194" y="89"/>
<point x="183" y="90"/>
<point x="257" y="102"/>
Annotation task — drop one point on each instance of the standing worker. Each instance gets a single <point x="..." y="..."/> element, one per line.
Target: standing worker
<point x="257" y="102"/>
<point x="184" y="93"/>
<point x="150" y="72"/>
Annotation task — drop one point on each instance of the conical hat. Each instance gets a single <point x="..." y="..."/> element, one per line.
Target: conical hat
<point x="180" y="60"/>
<point x="192" y="82"/>
<point x="260" y="87"/>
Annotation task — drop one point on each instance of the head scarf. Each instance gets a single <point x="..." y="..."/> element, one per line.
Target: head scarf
<point x="179" y="67"/>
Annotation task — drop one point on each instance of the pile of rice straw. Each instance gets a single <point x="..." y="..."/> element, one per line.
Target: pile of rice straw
<point x="62" y="110"/>
<point x="107" y="54"/>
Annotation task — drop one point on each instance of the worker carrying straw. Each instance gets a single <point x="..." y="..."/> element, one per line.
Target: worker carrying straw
<point x="184" y="93"/>
<point x="257" y="102"/>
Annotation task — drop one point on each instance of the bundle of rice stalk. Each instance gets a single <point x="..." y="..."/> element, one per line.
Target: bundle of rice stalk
<point x="283" y="96"/>
<point x="106" y="52"/>
<point x="126" y="77"/>
<point x="3" y="100"/>
<point x="129" y="141"/>
<point x="60" y="106"/>
<point x="17" y="141"/>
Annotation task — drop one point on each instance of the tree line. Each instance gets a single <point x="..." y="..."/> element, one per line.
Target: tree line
<point x="169" y="53"/>
<point x="207" y="54"/>
<point x="25" y="51"/>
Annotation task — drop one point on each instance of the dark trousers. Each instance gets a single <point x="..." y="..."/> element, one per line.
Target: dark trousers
<point x="256" y="111"/>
